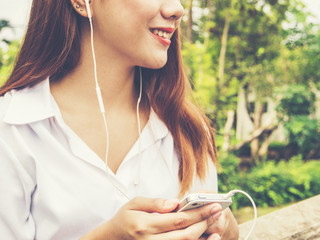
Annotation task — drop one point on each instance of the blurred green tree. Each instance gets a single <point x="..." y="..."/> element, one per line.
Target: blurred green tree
<point x="295" y="108"/>
<point x="251" y="46"/>
<point x="8" y="52"/>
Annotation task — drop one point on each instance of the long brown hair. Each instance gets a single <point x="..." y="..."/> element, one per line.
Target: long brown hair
<point x="51" y="47"/>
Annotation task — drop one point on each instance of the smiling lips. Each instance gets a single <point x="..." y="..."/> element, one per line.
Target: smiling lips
<point x="163" y="35"/>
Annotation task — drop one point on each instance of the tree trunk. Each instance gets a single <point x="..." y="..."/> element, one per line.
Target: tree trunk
<point x="255" y="134"/>
<point x="189" y="21"/>
<point x="205" y="42"/>
<point x="223" y="50"/>
<point x="258" y="111"/>
<point x="263" y="151"/>
<point x="227" y="130"/>
<point x="222" y="59"/>
<point x="244" y="122"/>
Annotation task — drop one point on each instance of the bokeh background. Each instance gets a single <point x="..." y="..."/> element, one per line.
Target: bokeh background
<point x="254" y="66"/>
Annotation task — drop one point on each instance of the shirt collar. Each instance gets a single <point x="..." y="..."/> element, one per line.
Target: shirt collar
<point x="30" y="104"/>
<point x="158" y="128"/>
<point x="36" y="103"/>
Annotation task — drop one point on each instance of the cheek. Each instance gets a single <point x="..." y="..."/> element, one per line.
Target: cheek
<point x="144" y="9"/>
<point x="126" y="15"/>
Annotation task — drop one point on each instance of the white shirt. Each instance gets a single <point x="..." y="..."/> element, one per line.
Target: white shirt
<point x="53" y="186"/>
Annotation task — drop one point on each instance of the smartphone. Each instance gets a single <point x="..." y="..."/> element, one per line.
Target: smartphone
<point x="197" y="200"/>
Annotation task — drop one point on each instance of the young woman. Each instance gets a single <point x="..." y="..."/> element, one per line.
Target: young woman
<point x="60" y="176"/>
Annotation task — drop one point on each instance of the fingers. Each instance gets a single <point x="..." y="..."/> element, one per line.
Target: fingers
<point x="171" y="225"/>
<point x="152" y="205"/>
<point x="192" y="232"/>
<point x="214" y="236"/>
<point x="217" y="224"/>
<point x="180" y="220"/>
<point x="139" y="218"/>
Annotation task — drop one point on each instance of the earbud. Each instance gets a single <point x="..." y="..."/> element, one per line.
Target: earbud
<point x="88" y="8"/>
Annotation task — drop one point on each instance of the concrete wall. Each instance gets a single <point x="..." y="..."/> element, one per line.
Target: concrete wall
<point x="299" y="221"/>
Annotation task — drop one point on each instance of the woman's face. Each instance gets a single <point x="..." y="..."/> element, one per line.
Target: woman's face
<point x="136" y="31"/>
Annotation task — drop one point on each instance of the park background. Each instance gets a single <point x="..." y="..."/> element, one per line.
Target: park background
<point x="254" y="67"/>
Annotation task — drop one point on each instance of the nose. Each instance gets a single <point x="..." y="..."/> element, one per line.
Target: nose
<point x="172" y="9"/>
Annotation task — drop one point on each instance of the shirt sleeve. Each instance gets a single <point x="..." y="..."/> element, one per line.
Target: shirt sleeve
<point x="209" y="184"/>
<point x="16" y="188"/>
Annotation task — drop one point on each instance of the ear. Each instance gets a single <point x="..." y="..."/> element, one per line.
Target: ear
<point x="80" y="7"/>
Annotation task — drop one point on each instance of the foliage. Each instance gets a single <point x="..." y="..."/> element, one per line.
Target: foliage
<point x="253" y="43"/>
<point x="271" y="183"/>
<point x="7" y="58"/>
<point x="8" y="53"/>
<point x="304" y="134"/>
<point x="295" y="99"/>
<point x="279" y="183"/>
<point x="296" y="103"/>
<point x="300" y="54"/>
<point x="269" y="44"/>
<point x="4" y="23"/>
<point x="229" y="172"/>
<point x="277" y="150"/>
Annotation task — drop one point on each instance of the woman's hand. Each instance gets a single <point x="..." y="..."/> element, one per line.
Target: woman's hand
<point x="153" y="219"/>
<point x="224" y="227"/>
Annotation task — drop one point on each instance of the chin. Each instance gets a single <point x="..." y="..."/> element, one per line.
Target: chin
<point x="156" y="63"/>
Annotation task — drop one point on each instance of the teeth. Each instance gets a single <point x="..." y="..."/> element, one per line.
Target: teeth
<point x="161" y="33"/>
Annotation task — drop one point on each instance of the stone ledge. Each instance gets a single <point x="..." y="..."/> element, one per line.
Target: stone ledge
<point x="312" y="233"/>
<point x="300" y="221"/>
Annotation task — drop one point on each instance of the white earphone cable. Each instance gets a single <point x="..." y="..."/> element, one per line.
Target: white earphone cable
<point x="102" y="109"/>
<point x="98" y="90"/>
<point x="136" y="182"/>
<point x="99" y="97"/>
<point x="233" y="192"/>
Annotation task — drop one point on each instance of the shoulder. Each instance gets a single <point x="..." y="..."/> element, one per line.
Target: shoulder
<point x="6" y="128"/>
<point x="4" y="103"/>
<point x="209" y="183"/>
<point x="30" y="104"/>
<point x="13" y="125"/>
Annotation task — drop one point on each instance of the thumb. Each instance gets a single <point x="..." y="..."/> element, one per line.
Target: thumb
<point x="152" y="205"/>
